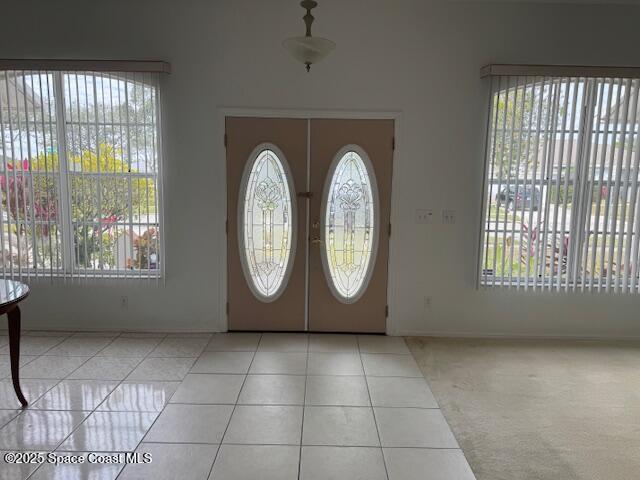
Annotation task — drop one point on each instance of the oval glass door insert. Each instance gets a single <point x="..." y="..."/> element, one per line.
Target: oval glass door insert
<point x="350" y="226"/>
<point x="267" y="222"/>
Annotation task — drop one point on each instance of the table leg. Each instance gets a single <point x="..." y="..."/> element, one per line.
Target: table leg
<point x="14" y="351"/>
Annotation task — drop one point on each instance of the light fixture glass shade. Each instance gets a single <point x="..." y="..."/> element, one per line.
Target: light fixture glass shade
<point x="308" y="50"/>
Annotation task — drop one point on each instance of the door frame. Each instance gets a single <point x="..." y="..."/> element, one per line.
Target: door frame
<point x="307" y="114"/>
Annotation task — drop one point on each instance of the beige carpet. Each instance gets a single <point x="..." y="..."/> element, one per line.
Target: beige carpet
<point x="529" y="410"/>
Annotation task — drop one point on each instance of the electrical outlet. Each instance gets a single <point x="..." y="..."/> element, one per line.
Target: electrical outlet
<point x="124" y="302"/>
<point x="427" y="302"/>
<point x="448" y="217"/>
<point x="423" y="216"/>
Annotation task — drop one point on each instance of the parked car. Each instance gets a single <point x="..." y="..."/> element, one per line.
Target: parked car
<point x="516" y="198"/>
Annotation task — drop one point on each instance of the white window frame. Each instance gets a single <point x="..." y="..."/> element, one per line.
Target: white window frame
<point x="58" y="69"/>
<point x="574" y="280"/>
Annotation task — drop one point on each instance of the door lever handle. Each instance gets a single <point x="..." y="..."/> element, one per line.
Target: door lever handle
<point x="305" y="194"/>
<point x="316" y="241"/>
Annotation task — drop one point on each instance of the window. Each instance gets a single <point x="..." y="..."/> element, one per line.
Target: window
<point x="79" y="174"/>
<point x="561" y="205"/>
<point x="267" y="221"/>
<point x="350" y="224"/>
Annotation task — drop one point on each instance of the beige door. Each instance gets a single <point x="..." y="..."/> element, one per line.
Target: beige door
<point x="308" y="223"/>
<point x="351" y="167"/>
<point x="266" y="286"/>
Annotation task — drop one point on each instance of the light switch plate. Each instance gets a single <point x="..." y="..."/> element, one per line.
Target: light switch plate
<point x="448" y="217"/>
<point x="424" y="216"/>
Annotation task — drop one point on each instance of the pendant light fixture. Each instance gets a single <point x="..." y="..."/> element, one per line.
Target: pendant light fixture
<point x="308" y="49"/>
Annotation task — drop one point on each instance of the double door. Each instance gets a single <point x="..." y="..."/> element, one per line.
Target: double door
<point x="308" y="223"/>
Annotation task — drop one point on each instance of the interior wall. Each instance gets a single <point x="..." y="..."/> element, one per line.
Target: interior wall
<point x="418" y="57"/>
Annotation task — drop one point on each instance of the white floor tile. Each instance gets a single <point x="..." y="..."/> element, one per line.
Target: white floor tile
<point x="263" y="462"/>
<point x="190" y="424"/>
<point x="340" y="426"/>
<point x="39" y="430"/>
<point x="342" y="463"/>
<point x="32" y="389"/>
<point x="180" y="347"/>
<point x="15" y="471"/>
<point x="232" y="342"/>
<point x="223" y="362"/>
<point x="162" y="368"/>
<point x="106" y="368"/>
<point x="328" y="342"/>
<point x="139" y="396"/>
<point x="31" y="345"/>
<point x="209" y="388"/>
<point x="382" y="344"/>
<point x="6" y="416"/>
<point x="438" y="464"/>
<point x="130" y="347"/>
<point x="265" y="425"/>
<point x="334" y="364"/>
<point x="400" y="392"/>
<point x="414" y="427"/>
<point x="273" y="390"/>
<point x="203" y="376"/>
<point x="109" y="432"/>
<point x="81" y="346"/>
<point x="5" y="364"/>
<point x="51" y="367"/>
<point x="290" y="363"/>
<point x="172" y="461"/>
<point x="88" y="470"/>
<point x="337" y="390"/>
<point x="284" y="342"/>
<point x="390" y="365"/>
<point x="83" y="395"/>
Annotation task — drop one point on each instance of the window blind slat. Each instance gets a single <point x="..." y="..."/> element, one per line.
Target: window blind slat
<point x="535" y="181"/>
<point x="550" y="138"/>
<point x="603" y="281"/>
<point x="543" y="175"/>
<point x="500" y="174"/>
<point x="518" y="119"/>
<point x="631" y="253"/>
<point x="526" y="181"/>
<point x="568" y="176"/>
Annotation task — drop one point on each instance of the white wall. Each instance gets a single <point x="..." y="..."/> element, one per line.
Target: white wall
<point x="419" y="57"/>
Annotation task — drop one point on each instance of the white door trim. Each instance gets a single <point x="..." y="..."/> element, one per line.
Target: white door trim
<point x="308" y="114"/>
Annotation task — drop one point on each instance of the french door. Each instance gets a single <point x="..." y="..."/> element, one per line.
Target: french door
<point x="308" y="223"/>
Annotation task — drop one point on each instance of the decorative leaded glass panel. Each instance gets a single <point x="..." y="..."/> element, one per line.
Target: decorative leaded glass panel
<point x="350" y="228"/>
<point x="267" y="224"/>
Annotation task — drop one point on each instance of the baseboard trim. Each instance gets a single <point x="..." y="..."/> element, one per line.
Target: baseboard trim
<point x="507" y="336"/>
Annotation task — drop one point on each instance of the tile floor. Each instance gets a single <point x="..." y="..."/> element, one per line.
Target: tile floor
<point x="236" y="406"/>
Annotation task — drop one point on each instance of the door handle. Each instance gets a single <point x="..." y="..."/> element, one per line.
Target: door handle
<point x="316" y="241"/>
<point x="305" y="194"/>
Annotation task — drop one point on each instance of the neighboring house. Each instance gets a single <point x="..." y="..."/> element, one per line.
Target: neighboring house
<point x="16" y="94"/>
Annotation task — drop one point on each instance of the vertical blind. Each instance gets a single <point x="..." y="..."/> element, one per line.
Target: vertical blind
<point x="561" y="203"/>
<point x="80" y="174"/>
